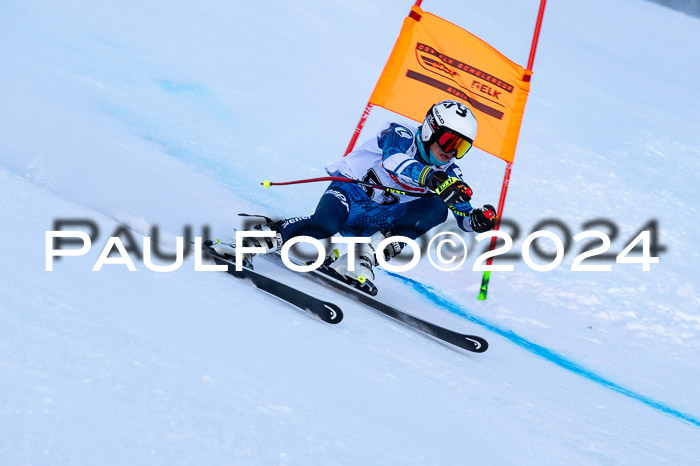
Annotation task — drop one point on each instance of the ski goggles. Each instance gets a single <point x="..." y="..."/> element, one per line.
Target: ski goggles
<point x="455" y="144"/>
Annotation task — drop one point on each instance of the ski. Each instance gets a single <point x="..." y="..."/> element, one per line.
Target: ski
<point x="324" y="310"/>
<point x="471" y="343"/>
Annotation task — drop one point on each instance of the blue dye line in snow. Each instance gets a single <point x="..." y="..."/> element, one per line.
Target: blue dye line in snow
<point x="541" y="351"/>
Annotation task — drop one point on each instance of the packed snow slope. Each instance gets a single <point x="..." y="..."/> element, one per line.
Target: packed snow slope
<point x="137" y="115"/>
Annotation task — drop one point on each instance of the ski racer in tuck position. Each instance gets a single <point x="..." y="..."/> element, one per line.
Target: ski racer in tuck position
<point x="420" y="160"/>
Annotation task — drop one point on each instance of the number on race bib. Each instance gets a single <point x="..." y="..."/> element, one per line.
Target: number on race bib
<point x="387" y="198"/>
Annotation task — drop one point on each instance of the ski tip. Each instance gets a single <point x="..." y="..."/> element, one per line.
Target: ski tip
<point x="476" y="344"/>
<point x="332" y="314"/>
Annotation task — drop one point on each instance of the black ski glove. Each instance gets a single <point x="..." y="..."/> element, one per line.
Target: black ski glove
<point x="451" y="190"/>
<point x="483" y="219"/>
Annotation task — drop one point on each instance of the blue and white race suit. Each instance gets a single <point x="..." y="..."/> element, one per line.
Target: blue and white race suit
<point x="394" y="158"/>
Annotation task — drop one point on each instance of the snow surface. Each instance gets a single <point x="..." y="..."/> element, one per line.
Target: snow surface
<point x="171" y="113"/>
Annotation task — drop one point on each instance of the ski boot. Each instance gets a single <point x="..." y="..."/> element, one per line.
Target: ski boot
<point x="228" y="248"/>
<point x="362" y="277"/>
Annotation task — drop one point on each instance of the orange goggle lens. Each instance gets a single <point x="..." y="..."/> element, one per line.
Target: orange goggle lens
<point x="451" y="143"/>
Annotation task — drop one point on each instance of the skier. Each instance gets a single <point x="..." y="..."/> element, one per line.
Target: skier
<point x="419" y="160"/>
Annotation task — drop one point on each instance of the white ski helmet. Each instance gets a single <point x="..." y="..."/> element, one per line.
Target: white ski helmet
<point x="452" y="125"/>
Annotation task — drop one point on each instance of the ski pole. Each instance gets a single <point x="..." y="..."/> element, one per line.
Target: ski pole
<point x="268" y="183"/>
